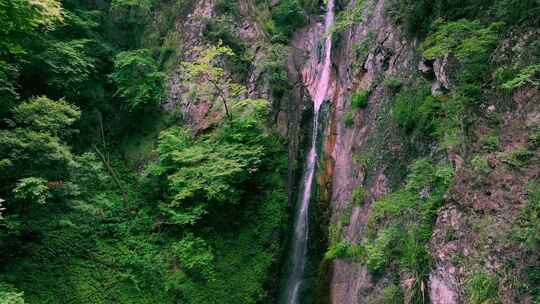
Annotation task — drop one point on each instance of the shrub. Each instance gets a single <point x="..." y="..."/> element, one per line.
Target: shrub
<point x="31" y="190"/>
<point x="490" y="143"/>
<point x="334" y="233"/>
<point x="288" y="15"/>
<point x="379" y="251"/>
<point x="227" y="7"/>
<point x="465" y="39"/>
<point x="530" y="218"/>
<point x="518" y="158"/>
<point x="348" y="17"/>
<point x="362" y="48"/>
<point x="359" y="100"/>
<point x="410" y="212"/>
<point x="392" y="295"/>
<point x="480" y="164"/>
<point x="518" y="11"/>
<point x="344" y="250"/>
<point x="416" y="110"/>
<point x="482" y="288"/>
<point x="348" y="119"/>
<point x="195" y="256"/>
<point x="527" y="76"/>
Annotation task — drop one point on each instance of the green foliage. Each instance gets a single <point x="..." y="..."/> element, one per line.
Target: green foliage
<point x="490" y="142"/>
<point x="207" y="80"/>
<point x="288" y="15"/>
<point x="393" y="83"/>
<point x="480" y="164"/>
<point x="227" y="7"/>
<point x="9" y="295"/>
<point x="42" y="114"/>
<point x="534" y="136"/>
<point x="139" y="80"/>
<point x="195" y="256"/>
<point x="130" y="19"/>
<point x="33" y="147"/>
<point x="416" y="110"/>
<point x="518" y="158"/>
<point x="20" y="18"/>
<point x="517" y="11"/>
<point x="359" y="99"/>
<point x="362" y="48"/>
<point x="68" y="64"/>
<point x="529" y="221"/>
<point x="380" y="250"/>
<point x="348" y="119"/>
<point x="344" y="250"/>
<point x="8" y="87"/>
<point x="32" y="190"/>
<point x="274" y="66"/>
<point x="406" y="217"/>
<point x="364" y="159"/>
<point x="334" y="233"/>
<point x="348" y="18"/>
<point x="212" y="169"/>
<point x="529" y="75"/>
<point x="92" y="54"/>
<point x="418" y="16"/>
<point x="392" y="295"/>
<point x="465" y="39"/>
<point x="221" y="30"/>
<point x="482" y="289"/>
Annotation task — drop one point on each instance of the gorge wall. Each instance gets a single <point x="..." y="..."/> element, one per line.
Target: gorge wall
<point x="368" y="155"/>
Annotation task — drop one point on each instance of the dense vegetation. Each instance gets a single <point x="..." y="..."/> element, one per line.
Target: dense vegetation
<point x="105" y="198"/>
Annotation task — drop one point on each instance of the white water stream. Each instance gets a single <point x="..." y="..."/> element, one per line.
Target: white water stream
<point x="299" y="253"/>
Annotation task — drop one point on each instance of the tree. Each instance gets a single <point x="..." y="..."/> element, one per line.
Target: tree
<point x="138" y="78"/>
<point x="212" y="171"/>
<point x="204" y="79"/>
<point x="21" y="18"/>
<point x="31" y="190"/>
<point x="34" y="144"/>
<point x="67" y="64"/>
<point x="42" y="114"/>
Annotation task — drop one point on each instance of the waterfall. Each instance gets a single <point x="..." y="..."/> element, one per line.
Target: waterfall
<point x="301" y="224"/>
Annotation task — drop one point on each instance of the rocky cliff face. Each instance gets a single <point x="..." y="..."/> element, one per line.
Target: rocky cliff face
<point x="365" y="148"/>
<point x="479" y="213"/>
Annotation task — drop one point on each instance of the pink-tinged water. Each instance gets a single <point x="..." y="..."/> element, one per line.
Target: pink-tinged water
<point x="299" y="254"/>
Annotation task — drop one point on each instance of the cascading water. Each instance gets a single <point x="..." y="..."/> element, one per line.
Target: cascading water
<point x="300" y="238"/>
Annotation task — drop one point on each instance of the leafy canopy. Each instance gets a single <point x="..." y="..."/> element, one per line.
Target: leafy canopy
<point x="211" y="170"/>
<point x="34" y="145"/>
<point x="31" y="189"/>
<point x="462" y="38"/>
<point x="138" y="78"/>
